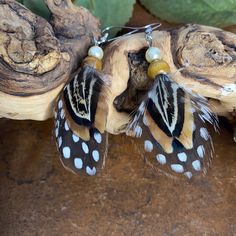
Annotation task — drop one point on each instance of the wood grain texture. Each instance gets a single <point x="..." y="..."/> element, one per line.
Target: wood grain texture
<point x="38" y="57"/>
<point x="201" y="58"/>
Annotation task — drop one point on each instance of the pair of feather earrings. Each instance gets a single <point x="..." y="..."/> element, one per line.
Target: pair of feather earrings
<point x="170" y="120"/>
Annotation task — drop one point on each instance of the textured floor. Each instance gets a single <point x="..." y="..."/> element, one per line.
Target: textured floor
<point x="39" y="197"/>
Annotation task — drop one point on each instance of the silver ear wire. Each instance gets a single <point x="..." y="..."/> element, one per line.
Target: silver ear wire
<point x="147" y="29"/>
<point x="101" y="40"/>
<point x="148" y="35"/>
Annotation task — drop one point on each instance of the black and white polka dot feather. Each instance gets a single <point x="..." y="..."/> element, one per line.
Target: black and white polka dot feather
<point x="79" y="154"/>
<point x="172" y="123"/>
<point x="76" y="153"/>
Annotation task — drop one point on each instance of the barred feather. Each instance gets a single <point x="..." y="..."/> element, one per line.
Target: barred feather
<point x="80" y="120"/>
<point x="171" y="121"/>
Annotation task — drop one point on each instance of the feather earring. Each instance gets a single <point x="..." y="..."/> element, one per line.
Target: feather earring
<point x="172" y="120"/>
<point x="80" y="116"/>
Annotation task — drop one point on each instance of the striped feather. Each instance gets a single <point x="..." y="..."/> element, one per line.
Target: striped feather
<point x="80" y="120"/>
<point x="171" y="121"/>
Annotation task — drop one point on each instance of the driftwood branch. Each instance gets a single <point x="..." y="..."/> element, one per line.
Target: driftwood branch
<point x="201" y="58"/>
<point x="37" y="58"/>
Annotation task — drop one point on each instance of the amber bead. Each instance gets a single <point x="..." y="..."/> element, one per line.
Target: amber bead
<point x="93" y="62"/>
<point x="157" y="67"/>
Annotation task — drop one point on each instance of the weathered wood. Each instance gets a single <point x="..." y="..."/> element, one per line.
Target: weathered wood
<point x="201" y="58"/>
<point x="36" y="59"/>
<point x="75" y="28"/>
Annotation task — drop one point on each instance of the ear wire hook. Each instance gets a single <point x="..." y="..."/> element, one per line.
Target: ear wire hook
<point x="147" y="29"/>
<point x="148" y="35"/>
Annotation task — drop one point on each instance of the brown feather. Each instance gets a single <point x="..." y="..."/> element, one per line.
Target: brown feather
<point x="159" y="135"/>
<point x="186" y="136"/>
<point x="100" y="117"/>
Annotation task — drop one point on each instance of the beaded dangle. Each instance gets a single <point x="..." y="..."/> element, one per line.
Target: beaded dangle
<point x="80" y="116"/>
<point x="171" y="121"/>
<point x="153" y="56"/>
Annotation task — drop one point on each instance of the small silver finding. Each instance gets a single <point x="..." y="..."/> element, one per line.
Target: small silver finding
<point x="148" y="29"/>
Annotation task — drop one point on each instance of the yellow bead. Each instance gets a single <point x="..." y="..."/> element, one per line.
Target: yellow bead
<point x="93" y="62"/>
<point x="157" y="67"/>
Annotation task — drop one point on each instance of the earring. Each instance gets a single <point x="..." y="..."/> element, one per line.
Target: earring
<point x="80" y="116"/>
<point x="172" y="120"/>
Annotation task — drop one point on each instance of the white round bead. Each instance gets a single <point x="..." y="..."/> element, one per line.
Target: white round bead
<point x="96" y="51"/>
<point x="152" y="54"/>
